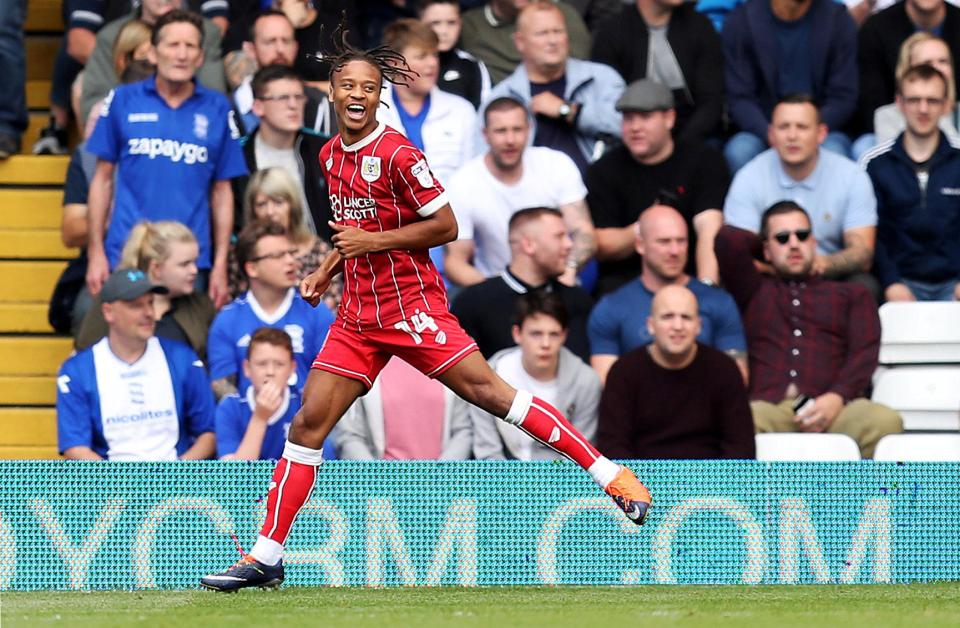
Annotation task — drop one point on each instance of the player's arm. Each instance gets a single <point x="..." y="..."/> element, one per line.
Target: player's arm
<point x="316" y="283"/>
<point x="438" y="228"/>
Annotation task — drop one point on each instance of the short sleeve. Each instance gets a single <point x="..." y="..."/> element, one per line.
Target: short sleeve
<point x="462" y="205"/>
<point x="74" y="423"/>
<point x="86" y="14"/>
<point x="565" y="175"/>
<point x="104" y="142"/>
<point x="414" y="182"/>
<point x="739" y="209"/>
<point x="230" y="162"/>
<point x="76" y="187"/>
<point x="229" y="426"/>
<point x="862" y="203"/>
<point x="220" y="350"/>
<point x="198" y="396"/>
<point x="602" y="329"/>
<point x="728" y="332"/>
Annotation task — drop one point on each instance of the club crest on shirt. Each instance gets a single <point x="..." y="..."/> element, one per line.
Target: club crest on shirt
<point x="200" y="125"/>
<point x="422" y="172"/>
<point x="370" y="168"/>
<point x="296" y="336"/>
<point x="329" y="163"/>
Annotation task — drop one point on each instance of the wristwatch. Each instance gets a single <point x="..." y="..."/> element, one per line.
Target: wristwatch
<point x="564" y="110"/>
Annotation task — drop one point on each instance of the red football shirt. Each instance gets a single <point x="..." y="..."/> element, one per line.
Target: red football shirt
<point x="377" y="184"/>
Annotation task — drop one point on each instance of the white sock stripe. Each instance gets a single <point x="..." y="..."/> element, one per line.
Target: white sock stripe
<point x="564" y="428"/>
<point x="276" y="509"/>
<point x="303" y="455"/>
<point x="519" y="407"/>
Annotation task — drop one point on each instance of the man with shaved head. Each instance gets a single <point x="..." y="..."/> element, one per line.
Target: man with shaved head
<point x="661" y="240"/>
<point x="675" y="397"/>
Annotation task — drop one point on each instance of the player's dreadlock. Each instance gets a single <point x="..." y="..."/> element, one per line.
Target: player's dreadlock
<point x="392" y="65"/>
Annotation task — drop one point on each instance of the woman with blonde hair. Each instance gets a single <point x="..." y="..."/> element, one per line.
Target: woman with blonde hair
<point x="167" y="252"/>
<point x="132" y="44"/>
<point x="273" y="194"/>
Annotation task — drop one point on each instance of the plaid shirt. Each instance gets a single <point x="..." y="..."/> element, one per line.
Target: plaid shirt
<point x="814" y="334"/>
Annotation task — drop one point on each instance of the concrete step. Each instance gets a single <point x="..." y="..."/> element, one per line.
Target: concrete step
<point x="38" y="94"/>
<point x="29" y="453"/>
<point x="33" y="244"/>
<point x="43" y="15"/>
<point x="41" y="53"/>
<point x="28" y="282"/>
<point x="24" y="318"/>
<point x="28" y="427"/>
<point x="30" y="209"/>
<point x="33" y="355"/>
<point x="26" y="390"/>
<point x="34" y="170"/>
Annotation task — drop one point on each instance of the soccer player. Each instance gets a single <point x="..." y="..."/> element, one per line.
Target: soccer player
<point x="389" y="211"/>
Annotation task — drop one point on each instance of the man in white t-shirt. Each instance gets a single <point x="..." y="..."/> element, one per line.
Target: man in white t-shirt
<point x="509" y="177"/>
<point x="541" y="364"/>
<point x="134" y="396"/>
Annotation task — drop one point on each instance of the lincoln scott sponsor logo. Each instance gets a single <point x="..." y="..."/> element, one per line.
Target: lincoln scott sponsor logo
<point x="154" y="147"/>
<point x="352" y="207"/>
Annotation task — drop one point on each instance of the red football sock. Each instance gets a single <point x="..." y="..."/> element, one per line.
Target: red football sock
<point x="289" y="491"/>
<point x="545" y="423"/>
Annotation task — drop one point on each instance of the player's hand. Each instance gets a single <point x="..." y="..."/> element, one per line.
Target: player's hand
<point x="546" y="104"/>
<point x="899" y="292"/>
<point x="268" y="400"/>
<point x="821" y="414"/>
<point x="352" y="242"/>
<point x="313" y="286"/>
<point x="218" y="289"/>
<point x="98" y="269"/>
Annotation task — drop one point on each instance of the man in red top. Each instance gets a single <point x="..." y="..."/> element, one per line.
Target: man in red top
<point x="389" y="212"/>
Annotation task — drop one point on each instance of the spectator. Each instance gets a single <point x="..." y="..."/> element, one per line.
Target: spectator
<point x="572" y="100"/>
<point x="539" y="363"/>
<point x="879" y="42"/>
<point x="133" y="396"/>
<point x="255" y="426"/>
<point x="675" y="397"/>
<point x="915" y="178"/>
<point x="318" y="27"/>
<point x="661" y="240"/>
<point x="166" y="252"/>
<point x="539" y="250"/>
<point x="281" y="141"/>
<point x="512" y="176"/>
<point x="439" y="124"/>
<point x="273" y="194"/>
<point x="842" y="202"/>
<point x="272" y="42"/>
<point x="594" y="12"/>
<point x="488" y="34"/>
<point x="669" y="42"/>
<point x="99" y="77"/>
<point x="13" y="111"/>
<point x="460" y="73"/>
<point x="169" y="140"/>
<point x="384" y="425"/>
<point x="807" y="335"/>
<point x="774" y="48"/>
<point x="888" y="121"/>
<point x="267" y="257"/>
<point x="652" y="168"/>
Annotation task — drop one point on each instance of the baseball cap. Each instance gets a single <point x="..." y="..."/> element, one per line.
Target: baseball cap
<point x="645" y="95"/>
<point x="128" y="284"/>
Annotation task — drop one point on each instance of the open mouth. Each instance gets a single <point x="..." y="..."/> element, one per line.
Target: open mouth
<point x="356" y="112"/>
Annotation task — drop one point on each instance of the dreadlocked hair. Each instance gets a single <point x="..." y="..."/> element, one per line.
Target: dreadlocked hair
<point x="392" y="65"/>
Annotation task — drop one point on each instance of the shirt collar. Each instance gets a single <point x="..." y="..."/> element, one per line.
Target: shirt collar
<point x="810" y="183"/>
<point x="150" y="85"/>
<point x="276" y="316"/>
<point x="520" y="286"/>
<point x="377" y="132"/>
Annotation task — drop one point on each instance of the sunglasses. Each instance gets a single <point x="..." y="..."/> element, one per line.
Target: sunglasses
<point x="784" y="236"/>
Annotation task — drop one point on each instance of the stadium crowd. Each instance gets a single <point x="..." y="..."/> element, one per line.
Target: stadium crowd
<point x="676" y="220"/>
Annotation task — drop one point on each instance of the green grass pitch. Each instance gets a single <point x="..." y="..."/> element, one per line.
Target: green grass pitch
<point x="911" y="606"/>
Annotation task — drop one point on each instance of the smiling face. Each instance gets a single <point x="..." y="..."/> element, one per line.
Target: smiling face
<point x="356" y="97"/>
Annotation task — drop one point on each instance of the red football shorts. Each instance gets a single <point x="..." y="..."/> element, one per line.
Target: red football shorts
<point x="431" y="342"/>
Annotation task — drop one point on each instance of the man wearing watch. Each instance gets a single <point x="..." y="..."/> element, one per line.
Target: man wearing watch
<point x="572" y="101"/>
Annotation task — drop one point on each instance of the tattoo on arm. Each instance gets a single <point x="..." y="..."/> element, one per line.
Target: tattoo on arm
<point x="576" y="215"/>
<point x="224" y="386"/>
<point x="855" y="258"/>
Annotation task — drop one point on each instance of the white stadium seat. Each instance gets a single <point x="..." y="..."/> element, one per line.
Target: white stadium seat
<point x="920" y="333"/>
<point x="918" y="448"/>
<point x="794" y="447"/>
<point x="927" y="397"/>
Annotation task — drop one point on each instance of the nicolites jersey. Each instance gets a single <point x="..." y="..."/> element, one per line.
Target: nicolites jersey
<point x="377" y="184"/>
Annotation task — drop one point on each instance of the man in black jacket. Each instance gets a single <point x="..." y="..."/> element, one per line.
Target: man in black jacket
<point x="669" y="42"/>
<point x="281" y="141"/>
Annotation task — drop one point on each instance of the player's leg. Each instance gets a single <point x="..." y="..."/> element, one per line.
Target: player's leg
<point x="474" y="380"/>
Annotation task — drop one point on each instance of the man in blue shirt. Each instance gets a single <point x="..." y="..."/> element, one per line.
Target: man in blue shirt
<point x="266" y="256"/>
<point x="156" y="402"/>
<point x="618" y="322"/>
<point x="174" y="148"/>
<point x="837" y="193"/>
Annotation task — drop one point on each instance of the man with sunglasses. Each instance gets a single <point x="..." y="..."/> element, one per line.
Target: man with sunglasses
<point x="917" y="179"/>
<point x="836" y="193"/>
<point x="267" y="258"/>
<point x="813" y="343"/>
